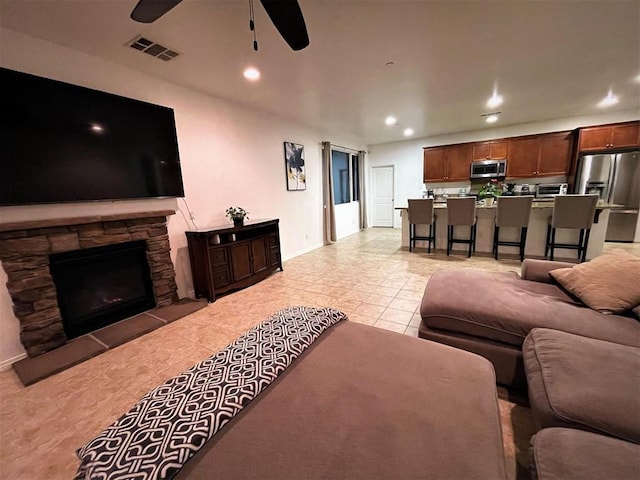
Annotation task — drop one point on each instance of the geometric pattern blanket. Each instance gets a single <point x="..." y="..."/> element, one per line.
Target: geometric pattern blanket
<point x="171" y="423"/>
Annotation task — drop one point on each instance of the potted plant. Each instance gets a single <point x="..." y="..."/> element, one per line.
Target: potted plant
<point x="490" y="191"/>
<point x="237" y="215"/>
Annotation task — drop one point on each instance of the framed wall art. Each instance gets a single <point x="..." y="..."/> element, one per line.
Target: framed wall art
<point x="294" y="165"/>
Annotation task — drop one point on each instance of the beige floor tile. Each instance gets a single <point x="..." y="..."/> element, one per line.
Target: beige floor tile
<point x="365" y="275"/>
<point x="402" y="317"/>
<point x="370" y="310"/>
<point x="392" y="326"/>
<point x="377" y="299"/>
<point x="405" y="305"/>
<point x="411" y="331"/>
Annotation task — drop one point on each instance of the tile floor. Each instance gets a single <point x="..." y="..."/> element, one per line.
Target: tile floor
<point x="366" y="275"/>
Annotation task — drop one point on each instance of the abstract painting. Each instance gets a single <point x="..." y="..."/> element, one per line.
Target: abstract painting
<point x="294" y="164"/>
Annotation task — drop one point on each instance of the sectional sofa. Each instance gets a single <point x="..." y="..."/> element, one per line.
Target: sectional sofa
<point x="571" y="334"/>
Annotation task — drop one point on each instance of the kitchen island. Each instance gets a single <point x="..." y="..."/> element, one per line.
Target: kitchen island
<point x="536" y="236"/>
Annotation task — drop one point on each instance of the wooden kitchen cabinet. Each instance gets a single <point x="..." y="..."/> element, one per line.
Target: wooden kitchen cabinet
<point x="450" y="163"/>
<point x="433" y="165"/>
<point x="228" y="258"/>
<point x="524" y="153"/>
<point x="540" y="155"/>
<point x="556" y="151"/>
<point x="608" y="137"/>
<point x="492" y="149"/>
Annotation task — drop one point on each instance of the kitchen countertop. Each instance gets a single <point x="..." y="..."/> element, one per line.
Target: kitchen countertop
<point x="536" y="204"/>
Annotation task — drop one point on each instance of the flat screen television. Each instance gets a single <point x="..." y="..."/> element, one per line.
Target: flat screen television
<point x="65" y="143"/>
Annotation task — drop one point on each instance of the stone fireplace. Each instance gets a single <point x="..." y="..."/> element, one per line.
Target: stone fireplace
<point x="26" y="248"/>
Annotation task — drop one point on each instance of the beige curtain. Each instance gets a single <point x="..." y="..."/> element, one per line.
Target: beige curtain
<point x="363" y="200"/>
<point x="327" y="190"/>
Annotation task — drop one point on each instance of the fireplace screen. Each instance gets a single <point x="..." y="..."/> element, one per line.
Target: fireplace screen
<point x="99" y="286"/>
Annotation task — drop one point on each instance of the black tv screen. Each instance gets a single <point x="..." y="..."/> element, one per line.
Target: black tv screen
<point x="65" y="143"/>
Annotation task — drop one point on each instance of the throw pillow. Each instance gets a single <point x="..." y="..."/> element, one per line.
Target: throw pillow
<point x="609" y="283"/>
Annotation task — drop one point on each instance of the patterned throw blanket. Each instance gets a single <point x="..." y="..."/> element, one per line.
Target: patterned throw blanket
<point x="171" y="423"/>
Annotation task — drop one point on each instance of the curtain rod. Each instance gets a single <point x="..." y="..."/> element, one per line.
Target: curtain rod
<point x="344" y="148"/>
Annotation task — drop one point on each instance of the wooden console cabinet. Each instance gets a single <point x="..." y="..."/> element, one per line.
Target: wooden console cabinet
<point x="228" y="258"/>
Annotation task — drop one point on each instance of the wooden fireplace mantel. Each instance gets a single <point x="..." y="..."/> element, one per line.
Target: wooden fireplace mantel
<point x="59" y="222"/>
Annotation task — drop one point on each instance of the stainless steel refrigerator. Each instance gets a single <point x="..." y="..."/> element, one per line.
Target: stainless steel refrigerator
<point x="616" y="178"/>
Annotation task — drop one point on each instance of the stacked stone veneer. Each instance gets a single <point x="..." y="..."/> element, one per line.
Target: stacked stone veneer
<point x="25" y="248"/>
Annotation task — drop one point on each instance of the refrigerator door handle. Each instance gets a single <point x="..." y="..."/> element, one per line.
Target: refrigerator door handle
<point x="613" y="178"/>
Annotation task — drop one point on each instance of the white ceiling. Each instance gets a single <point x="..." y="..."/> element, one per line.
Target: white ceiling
<point x="549" y="59"/>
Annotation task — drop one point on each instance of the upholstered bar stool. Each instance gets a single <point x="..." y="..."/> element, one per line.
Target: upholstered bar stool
<point x="421" y="213"/>
<point x="512" y="212"/>
<point x="571" y="211"/>
<point x="461" y="211"/>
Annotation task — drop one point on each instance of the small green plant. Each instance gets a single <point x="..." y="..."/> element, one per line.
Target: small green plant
<point x="490" y="189"/>
<point x="237" y="213"/>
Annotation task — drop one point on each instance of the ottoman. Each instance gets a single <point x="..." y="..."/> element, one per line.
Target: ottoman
<point x="569" y="454"/>
<point x="583" y="383"/>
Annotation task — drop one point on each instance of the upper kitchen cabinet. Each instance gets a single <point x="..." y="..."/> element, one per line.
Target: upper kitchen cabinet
<point x="540" y="155"/>
<point x="524" y="153"/>
<point x="555" y="153"/>
<point x="608" y="137"/>
<point x="450" y="163"/>
<point x="493" y="149"/>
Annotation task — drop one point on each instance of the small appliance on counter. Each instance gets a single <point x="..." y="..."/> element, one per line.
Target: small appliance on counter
<point x="550" y="190"/>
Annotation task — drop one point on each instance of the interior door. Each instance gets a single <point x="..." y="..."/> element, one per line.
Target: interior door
<point x="382" y="180"/>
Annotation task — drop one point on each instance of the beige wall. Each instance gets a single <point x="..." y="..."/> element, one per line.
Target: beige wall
<point x="230" y="156"/>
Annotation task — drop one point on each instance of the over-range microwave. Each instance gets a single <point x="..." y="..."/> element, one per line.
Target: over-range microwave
<point x="488" y="168"/>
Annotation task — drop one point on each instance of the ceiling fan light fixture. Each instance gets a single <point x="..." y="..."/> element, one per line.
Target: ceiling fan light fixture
<point x="493" y="118"/>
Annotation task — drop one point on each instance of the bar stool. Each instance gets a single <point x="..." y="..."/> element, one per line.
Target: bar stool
<point x="571" y="211"/>
<point x="421" y="213"/>
<point x="512" y="212"/>
<point x="461" y="211"/>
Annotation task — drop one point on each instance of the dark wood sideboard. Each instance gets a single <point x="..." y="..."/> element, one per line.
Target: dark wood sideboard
<point x="228" y="258"/>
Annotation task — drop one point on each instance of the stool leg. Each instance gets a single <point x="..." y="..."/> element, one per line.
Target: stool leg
<point x="553" y="242"/>
<point x="429" y="241"/>
<point x="411" y="226"/>
<point x="546" y="248"/>
<point x="449" y="237"/>
<point x="470" y="241"/>
<point x="580" y="244"/>
<point x="496" y="231"/>
<point x="523" y="242"/>
<point x="434" y="233"/>
<point x="475" y="232"/>
<point x="586" y="244"/>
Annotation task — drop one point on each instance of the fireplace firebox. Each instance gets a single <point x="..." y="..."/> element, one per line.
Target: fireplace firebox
<point x="99" y="286"/>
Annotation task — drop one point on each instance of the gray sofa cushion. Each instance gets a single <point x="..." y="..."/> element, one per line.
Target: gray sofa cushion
<point x="584" y="383"/>
<point x="503" y="307"/>
<point x="568" y="454"/>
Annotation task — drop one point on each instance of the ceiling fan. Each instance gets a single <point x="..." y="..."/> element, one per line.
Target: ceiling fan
<point x="285" y="15"/>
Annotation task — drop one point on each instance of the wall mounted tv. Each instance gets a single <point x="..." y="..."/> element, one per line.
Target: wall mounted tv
<point x="65" y="143"/>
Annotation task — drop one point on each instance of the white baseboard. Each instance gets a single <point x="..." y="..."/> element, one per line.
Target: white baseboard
<point x="6" y="364"/>
<point x="300" y="252"/>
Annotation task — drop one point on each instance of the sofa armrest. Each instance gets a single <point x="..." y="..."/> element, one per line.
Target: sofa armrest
<point x="538" y="270"/>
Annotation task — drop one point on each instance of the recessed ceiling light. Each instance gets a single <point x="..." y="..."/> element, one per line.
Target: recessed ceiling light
<point x="493" y="118"/>
<point x="390" y="120"/>
<point x="95" y="127"/>
<point x="609" y="100"/>
<point x="408" y="132"/>
<point x="252" y="74"/>
<point x="495" y="100"/>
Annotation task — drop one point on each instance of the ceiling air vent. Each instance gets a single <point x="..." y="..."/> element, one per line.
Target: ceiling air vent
<point x="151" y="48"/>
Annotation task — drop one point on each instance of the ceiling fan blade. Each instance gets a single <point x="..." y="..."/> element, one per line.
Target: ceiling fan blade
<point x="148" y="11"/>
<point x="288" y="20"/>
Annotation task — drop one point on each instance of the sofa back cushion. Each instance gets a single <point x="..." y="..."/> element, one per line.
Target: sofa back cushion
<point x="609" y="283"/>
